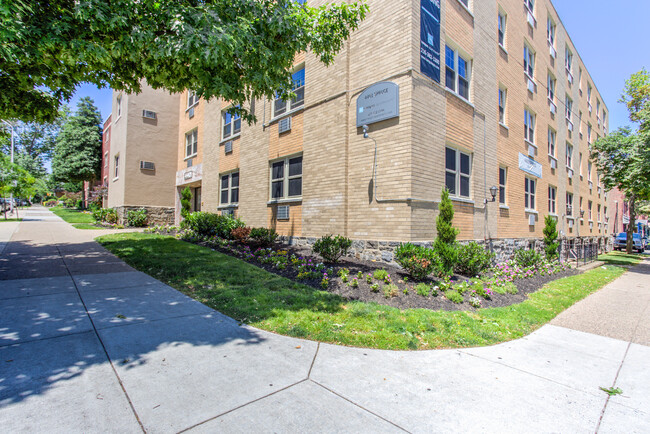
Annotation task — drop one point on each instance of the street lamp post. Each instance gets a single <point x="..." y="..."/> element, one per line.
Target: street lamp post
<point x="11" y="195"/>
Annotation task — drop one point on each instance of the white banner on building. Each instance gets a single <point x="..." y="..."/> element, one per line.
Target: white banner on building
<point x="530" y="166"/>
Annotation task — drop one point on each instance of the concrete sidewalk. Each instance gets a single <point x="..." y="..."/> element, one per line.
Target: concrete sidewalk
<point x="88" y="344"/>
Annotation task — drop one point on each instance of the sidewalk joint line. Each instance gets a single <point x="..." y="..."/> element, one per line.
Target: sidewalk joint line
<point x="602" y="413"/>
<point x="313" y="361"/>
<point x="242" y="406"/>
<point x="30" y="341"/>
<point x="360" y="406"/>
<point x="101" y="342"/>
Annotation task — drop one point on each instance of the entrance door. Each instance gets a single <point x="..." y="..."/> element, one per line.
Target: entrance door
<point x="197" y="199"/>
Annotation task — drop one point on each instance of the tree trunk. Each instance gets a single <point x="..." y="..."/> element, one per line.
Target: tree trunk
<point x="631" y="225"/>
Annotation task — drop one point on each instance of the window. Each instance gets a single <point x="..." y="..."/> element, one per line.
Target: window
<point x="580" y="204"/>
<point x="529" y="126"/>
<point x="529" y="61"/>
<point x="280" y="106"/>
<point x="569" y="107"/>
<point x="589" y="94"/>
<point x="502" y="105"/>
<point x="568" y="59"/>
<point x="457" y="72"/>
<point x="580" y="80"/>
<point x="191" y="143"/>
<point x="569" y="204"/>
<point x="529" y="197"/>
<point x="503" y="177"/>
<point x="105" y="159"/>
<point x="230" y="189"/>
<point x="589" y="171"/>
<point x="598" y="213"/>
<point x="589" y="209"/>
<point x="569" y="155"/>
<point x="580" y="163"/>
<point x="501" y="24"/>
<point x="604" y="119"/>
<point x="598" y="111"/>
<point x="552" y="193"/>
<point x="465" y="2"/>
<point x="117" y="165"/>
<point x="552" y="136"/>
<point x="550" y="84"/>
<point x="458" y="167"/>
<point x="192" y="99"/>
<point x="286" y="178"/>
<point x="530" y="4"/>
<point x="589" y="133"/>
<point x="119" y="106"/>
<point x="580" y="123"/>
<point x="550" y="31"/>
<point x="231" y="124"/>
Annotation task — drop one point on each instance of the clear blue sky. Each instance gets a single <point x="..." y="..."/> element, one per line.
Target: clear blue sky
<point x="611" y="37"/>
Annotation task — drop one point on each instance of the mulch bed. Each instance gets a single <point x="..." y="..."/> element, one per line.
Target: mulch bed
<point x="409" y="300"/>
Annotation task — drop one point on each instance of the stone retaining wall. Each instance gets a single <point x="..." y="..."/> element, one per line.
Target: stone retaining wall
<point x="156" y="215"/>
<point x="383" y="251"/>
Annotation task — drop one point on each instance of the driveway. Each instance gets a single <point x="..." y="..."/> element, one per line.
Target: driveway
<point x="87" y="344"/>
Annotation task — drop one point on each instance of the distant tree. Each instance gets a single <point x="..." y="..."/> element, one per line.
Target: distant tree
<point x="14" y="180"/>
<point x="623" y="157"/>
<point x="77" y="154"/>
<point x="33" y="144"/>
<point x="445" y="243"/>
<point x="237" y="49"/>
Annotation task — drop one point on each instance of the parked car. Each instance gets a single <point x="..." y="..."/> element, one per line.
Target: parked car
<point x="620" y="243"/>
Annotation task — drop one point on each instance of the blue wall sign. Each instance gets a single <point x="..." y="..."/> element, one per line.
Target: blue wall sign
<point x="430" y="39"/>
<point x="530" y="166"/>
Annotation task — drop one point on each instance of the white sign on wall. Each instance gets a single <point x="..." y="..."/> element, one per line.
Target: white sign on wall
<point x="378" y="103"/>
<point x="530" y="166"/>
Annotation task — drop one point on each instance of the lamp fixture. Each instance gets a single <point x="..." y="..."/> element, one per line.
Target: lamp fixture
<point x="365" y="131"/>
<point x="493" y="191"/>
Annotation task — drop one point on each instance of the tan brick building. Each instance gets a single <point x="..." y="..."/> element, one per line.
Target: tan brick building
<point x="514" y="108"/>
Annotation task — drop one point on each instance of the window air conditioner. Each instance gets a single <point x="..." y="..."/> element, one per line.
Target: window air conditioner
<point x="284" y="125"/>
<point x="531" y="220"/>
<point x="283" y="212"/>
<point x="147" y="165"/>
<point x="148" y="114"/>
<point x="228" y="146"/>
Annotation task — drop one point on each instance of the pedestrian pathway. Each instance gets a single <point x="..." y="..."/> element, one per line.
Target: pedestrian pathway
<point x="87" y="344"/>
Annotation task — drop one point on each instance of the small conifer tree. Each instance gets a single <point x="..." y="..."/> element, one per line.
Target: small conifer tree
<point x="186" y="202"/>
<point x="551" y="243"/>
<point x="445" y="244"/>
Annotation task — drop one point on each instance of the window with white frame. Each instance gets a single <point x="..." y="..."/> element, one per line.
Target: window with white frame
<point x="589" y="210"/>
<point x="191" y="143"/>
<point x="580" y="80"/>
<point x="569" y="107"/>
<point x="529" y="61"/>
<point x="580" y="164"/>
<point x="589" y="94"/>
<point x="580" y="123"/>
<point x="569" y="204"/>
<point x="550" y="84"/>
<point x="550" y="31"/>
<point x="597" y="109"/>
<point x="280" y="106"/>
<point x="580" y="205"/>
<point x="589" y="133"/>
<point x="231" y="124"/>
<point x="530" y="4"/>
<point x="106" y="159"/>
<point x="458" y="71"/>
<point x="116" y="161"/>
<point x="529" y="193"/>
<point x="503" y="179"/>
<point x="286" y="178"/>
<point x="604" y="119"/>
<point x="119" y="106"/>
<point x="501" y="26"/>
<point x="569" y="155"/>
<point x="458" y="169"/>
<point x="568" y="59"/>
<point x="552" y="137"/>
<point x="229" y="189"/>
<point x="503" y="94"/>
<point x="598" y="214"/>
<point x="589" y="171"/>
<point x="465" y="2"/>
<point x="552" y="193"/>
<point x="192" y="99"/>
<point x="529" y="126"/>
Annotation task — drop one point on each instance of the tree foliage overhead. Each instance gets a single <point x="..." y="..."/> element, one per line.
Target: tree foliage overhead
<point x="236" y="49"/>
<point x="78" y="150"/>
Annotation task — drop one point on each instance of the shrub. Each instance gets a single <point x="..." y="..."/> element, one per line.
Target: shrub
<point x="110" y="216"/>
<point x="453" y="296"/>
<point x="94" y="206"/>
<point x="263" y="236"/>
<point x="80" y="204"/>
<point x="186" y="202"/>
<point x="445" y="244"/>
<point x="240" y="234"/>
<point x="69" y="202"/>
<point x="473" y="259"/>
<point x="422" y="289"/>
<point x="374" y="287"/>
<point x="551" y="244"/>
<point x="390" y="290"/>
<point x="331" y="249"/>
<point x="527" y="258"/>
<point x="136" y="218"/>
<point x="209" y="224"/>
<point x="418" y="261"/>
<point x="50" y="202"/>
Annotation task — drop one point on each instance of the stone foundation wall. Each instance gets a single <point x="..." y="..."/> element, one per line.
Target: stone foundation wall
<point x="156" y="215"/>
<point x="383" y="251"/>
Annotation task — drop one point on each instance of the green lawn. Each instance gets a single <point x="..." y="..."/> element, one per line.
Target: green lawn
<point x="73" y="215"/>
<point x="264" y="300"/>
<point x="2" y="219"/>
<point x="620" y="258"/>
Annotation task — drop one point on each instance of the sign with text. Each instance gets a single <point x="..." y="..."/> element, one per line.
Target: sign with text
<point x="430" y="39"/>
<point x="529" y="165"/>
<point x="378" y="103"/>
